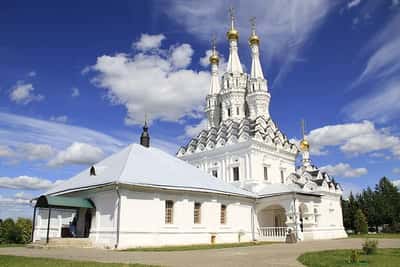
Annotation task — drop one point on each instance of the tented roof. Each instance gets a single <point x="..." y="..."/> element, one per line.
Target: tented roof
<point x="149" y="167"/>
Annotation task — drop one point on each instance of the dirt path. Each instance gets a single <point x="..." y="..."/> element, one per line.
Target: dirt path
<point x="267" y="255"/>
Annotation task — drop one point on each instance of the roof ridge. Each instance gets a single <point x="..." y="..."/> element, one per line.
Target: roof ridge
<point x="125" y="163"/>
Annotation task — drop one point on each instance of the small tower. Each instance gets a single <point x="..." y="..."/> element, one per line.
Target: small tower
<point x="145" y="137"/>
<point x="258" y="96"/>
<point x="234" y="81"/>
<point x="212" y="99"/>
<point x="305" y="149"/>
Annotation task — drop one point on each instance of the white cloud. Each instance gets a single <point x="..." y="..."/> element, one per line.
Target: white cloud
<point x="148" y="42"/>
<point x="5" y="151"/>
<point x="31" y="151"/>
<point x="75" y="92"/>
<point x="396" y="183"/>
<point x="62" y="119"/>
<point x="382" y="105"/>
<point x="353" y="3"/>
<point x="78" y="153"/>
<point x="22" y="93"/>
<point x="354" y="138"/>
<point x="17" y="130"/>
<point x="148" y="82"/>
<point x="26" y="183"/>
<point x="395" y="2"/>
<point x="396" y="170"/>
<point x="32" y="74"/>
<point x="181" y="56"/>
<point x="283" y="26"/>
<point x="193" y="130"/>
<point x="344" y="170"/>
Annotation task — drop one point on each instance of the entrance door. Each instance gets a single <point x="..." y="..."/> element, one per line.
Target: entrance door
<point x="88" y="222"/>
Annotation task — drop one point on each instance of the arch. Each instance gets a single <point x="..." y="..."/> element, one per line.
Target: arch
<point x="272" y="216"/>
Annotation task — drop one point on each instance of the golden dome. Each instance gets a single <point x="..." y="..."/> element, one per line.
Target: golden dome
<point x="253" y="39"/>
<point x="232" y="34"/>
<point x="304" y="145"/>
<point x="214" y="59"/>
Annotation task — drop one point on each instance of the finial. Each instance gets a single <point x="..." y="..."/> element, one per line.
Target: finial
<point x="302" y="128"/>
<point x="253" y="37"/>
<point x="145" y="119"/>
<point x="304" y="145"/>
<point x="232" y="15"/>
<point x="232" y="34"/>
<point x="214" y="59"/>
<point x="145" y="137"/>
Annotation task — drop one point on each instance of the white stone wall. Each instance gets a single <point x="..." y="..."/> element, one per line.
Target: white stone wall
<point x="143" y="219"/>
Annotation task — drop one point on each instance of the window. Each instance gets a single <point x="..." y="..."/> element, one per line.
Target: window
<point x="282" y="177"/>
<point x="229" y="112"/>
<point x="265" y="173"/>
<point x="235" y="173"/>
<point x="237" y="110"/>
<point x="214" y="173"/>
<point x="223" y="214"/>
<point x="169" y="211"/>
<point x="197" y="212"/>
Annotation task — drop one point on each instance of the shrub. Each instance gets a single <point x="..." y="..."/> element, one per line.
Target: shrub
<point x="370" y="246"/>
<point x="15" y="232"/>
<point x="354" y="256"/>
<point x="24" y="229"/>
<point x="360" y="222"/>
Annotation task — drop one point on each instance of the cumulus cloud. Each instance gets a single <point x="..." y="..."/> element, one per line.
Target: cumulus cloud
<point x="354" y="138"/>
<point x="31" y="151"/>
<point x="75" y="92"/>
<point x="396" y="183"/>
<point x="78" y="153"/>
<point x="396" y="170"/>
<point x="22" y="93"/>
<point x="26" y="183"/>
<point x="153" y="82"/>
<point x="344" y="170"/>
<point x="284" y="26"/>
<point x="193" y="130"/>
<point x="62" y="119"/>
<point x="148" y="42"/>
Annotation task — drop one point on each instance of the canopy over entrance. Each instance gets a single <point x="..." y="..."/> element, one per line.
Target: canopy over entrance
<point x="65" y="202"/>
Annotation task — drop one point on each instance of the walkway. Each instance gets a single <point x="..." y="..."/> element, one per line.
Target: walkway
<point x="267" y="255"/>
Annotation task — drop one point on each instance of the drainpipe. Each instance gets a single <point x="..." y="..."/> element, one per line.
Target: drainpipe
<point x="253" y="209"/>
<point x="295" y="214"/>
<point x="118" y="214"/>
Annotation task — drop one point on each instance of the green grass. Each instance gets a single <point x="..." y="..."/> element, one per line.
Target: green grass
<point x="15" y="261"/>
<point x="340" y="258"/>
<point x="198" y="247"/>
<point x="380" y="235"/>
<point x="11" y="245"/>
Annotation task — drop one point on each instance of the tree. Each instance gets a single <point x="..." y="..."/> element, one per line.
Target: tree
<point x="360" y="222"/>
<point x="24" y="229"/>
<point x="15" y="232"/>
<point x="8" y="232"/>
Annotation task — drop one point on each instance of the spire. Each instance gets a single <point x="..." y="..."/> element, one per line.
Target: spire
<point x="145" y="137"/>
<point x="214" y="61"/>
<point x="305" y="148"/>
<point x="234" y="65"/>
<point x="254" y="41"/>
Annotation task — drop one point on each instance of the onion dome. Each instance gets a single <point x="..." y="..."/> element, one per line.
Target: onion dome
<point x="304" y="145"/>
<point x="232" y="34"/>
<point x="253" y="39"/>
<point x="214" y="58"/>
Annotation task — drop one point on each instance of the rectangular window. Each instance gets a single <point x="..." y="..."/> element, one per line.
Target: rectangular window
<point x="282" y="177"/>
<point x="197" y="212"/>
<point x="214" y="173"/>
<point x="237" y="111"/>
<point x="169" y="211"/>
<point x="223" y="214"/>
<point x="235" y="173"/>
<point x="229" y="112"/>
<point x="266" y="173"/>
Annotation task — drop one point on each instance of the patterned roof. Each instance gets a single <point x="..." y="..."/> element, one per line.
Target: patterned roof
<point x="229" y="131"/>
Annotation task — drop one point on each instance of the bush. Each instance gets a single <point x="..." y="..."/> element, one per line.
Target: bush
<point x="370" y="246"/>
<point x="354" y="256"/>
<point x="360" y="222"/>
<point x="18" y="232"/>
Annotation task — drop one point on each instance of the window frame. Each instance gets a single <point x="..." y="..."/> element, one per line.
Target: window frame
<point x="234" y="172"/>
<point x="266" y="176"/>
<point x="169" y="212"/>
<point x="222" y="214"/>
<point x="197" y="213"/>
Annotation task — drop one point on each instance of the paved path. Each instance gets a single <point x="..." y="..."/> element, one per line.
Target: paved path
<point x="266" y="255"/>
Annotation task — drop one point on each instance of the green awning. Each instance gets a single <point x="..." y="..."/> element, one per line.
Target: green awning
<point x="65" y="202"/>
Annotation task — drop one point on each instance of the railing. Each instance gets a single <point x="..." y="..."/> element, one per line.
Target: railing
<point x="273" y="233"/>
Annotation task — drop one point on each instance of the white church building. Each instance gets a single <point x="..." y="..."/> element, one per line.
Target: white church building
<point x="236" y="181"/>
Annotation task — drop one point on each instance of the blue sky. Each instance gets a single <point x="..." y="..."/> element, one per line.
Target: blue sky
<point x="77" y="77"/>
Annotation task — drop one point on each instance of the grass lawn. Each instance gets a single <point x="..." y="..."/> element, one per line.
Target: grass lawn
<point x="199" y="247"/>
<point x="11" y="245"/>
<point x="15" y="261"/>
<point x="389" y="257"/>
<point x="380" y="235"/>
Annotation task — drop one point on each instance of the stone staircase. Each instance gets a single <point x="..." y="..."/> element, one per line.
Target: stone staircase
<point x="62" y="243"/>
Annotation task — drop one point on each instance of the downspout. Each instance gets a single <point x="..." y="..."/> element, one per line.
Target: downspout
<point x="252" y="221"/>
<point x="118" y="214"/>
<point x="295" y="214"/>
